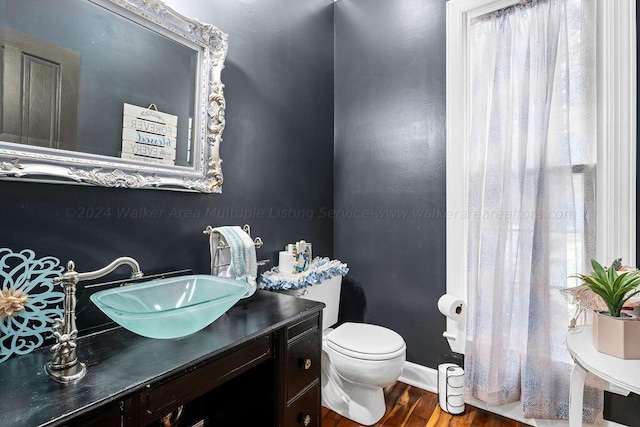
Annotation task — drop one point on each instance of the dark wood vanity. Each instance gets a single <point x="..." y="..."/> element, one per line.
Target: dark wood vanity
<point x="258" y="364"/>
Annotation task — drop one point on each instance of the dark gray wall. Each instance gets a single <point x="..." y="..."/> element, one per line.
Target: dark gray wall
<point x="390" y="166"/>
<point x="277" y="152"/>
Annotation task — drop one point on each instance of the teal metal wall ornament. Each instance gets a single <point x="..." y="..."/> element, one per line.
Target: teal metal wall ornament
<point x="29" y="301"/>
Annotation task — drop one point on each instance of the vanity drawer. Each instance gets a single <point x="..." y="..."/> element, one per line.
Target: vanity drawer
<point x="303" y="362"/>
<point x="305" y="410"/>
<point x="301" y="328"/>
<point x="160" y="399"/>
<point x="117" y="415"/>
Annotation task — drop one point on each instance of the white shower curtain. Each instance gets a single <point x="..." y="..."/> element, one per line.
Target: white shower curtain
<point x="532" y="124"/>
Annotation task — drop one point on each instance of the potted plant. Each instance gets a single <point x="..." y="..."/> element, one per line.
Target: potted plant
<point x="614" y="332"/>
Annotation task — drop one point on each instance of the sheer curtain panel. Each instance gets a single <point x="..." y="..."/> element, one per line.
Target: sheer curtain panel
<point x="532" y="155"/>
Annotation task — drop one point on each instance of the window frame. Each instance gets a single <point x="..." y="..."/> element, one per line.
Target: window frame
<point x="616" y="77"/>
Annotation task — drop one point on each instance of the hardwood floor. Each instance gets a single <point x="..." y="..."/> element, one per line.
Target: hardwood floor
<point x="409" y="406"/>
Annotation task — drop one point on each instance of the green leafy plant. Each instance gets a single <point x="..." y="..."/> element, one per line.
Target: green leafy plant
<point x="614" y="289"/>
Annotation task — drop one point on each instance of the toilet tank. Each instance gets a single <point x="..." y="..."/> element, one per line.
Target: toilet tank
<point x="328" y="292"/>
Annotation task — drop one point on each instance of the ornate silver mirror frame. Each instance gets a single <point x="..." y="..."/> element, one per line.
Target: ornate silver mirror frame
<point x="25" y="162"/>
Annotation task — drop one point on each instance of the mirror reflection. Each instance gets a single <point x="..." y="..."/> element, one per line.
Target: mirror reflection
<point x="71" y="67"/>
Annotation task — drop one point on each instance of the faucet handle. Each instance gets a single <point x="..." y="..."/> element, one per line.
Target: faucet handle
<point x="65" y="343"/>
<point x="58" y="325"/>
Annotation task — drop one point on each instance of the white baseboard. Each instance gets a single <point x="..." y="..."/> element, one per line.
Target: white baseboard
<point x="420" y="376"/>
<point x="427" y="379"/>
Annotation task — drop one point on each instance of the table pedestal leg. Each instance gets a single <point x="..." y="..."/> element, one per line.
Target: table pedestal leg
<point x="576" y="393"/>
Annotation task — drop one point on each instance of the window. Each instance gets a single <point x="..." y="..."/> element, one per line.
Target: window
<point x="612" y="181"/>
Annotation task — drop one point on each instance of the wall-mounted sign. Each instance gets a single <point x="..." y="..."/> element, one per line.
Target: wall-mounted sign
<point x="148" y="135"/>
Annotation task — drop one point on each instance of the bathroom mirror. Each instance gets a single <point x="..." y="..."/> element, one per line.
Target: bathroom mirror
<point x="116" y="93"/>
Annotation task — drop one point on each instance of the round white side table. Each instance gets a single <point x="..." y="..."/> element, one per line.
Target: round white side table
<point x="620" y="372"/>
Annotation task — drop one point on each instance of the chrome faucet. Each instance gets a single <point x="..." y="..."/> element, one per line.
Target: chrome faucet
<point x="65" y="366"/>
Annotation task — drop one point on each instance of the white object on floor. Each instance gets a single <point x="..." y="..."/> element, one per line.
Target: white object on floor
<point x="450" y="385"/>
<point x="358" y="359"/>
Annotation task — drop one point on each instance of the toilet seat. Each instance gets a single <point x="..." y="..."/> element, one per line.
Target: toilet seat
<point x="366" y="342"/>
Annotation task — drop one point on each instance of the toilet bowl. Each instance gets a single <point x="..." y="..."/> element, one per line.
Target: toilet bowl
<point x="358" y="359"/>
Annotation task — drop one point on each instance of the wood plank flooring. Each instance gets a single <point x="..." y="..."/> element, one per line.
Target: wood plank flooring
<point x="409" y="406"/>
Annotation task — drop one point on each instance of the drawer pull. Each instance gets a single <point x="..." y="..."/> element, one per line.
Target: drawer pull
<point x="306" y="364"/>
<point x="172" y="418"/>
<point x="304" y="419"/>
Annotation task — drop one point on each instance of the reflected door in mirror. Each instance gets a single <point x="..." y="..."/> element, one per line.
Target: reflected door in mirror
<point x="40" y="83"/>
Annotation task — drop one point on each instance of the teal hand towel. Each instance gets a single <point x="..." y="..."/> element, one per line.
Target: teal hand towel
<point x="240" y="256"/>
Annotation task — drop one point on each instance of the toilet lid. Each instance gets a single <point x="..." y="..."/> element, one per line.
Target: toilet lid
<point x="366" y="341"/>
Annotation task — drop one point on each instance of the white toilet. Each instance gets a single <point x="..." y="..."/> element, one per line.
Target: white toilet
<point x="358" y="359"/>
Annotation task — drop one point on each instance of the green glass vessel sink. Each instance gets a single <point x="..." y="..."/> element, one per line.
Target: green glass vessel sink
<point x="172" y="307"/>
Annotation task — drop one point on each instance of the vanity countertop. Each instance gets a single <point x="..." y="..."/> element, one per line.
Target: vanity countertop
<point x="120" y="363"/>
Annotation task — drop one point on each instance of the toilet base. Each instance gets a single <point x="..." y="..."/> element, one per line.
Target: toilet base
<point x="361" y="403"/>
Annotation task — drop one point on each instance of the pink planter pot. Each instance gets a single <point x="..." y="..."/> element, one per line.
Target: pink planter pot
<point x="617" y="336"/>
